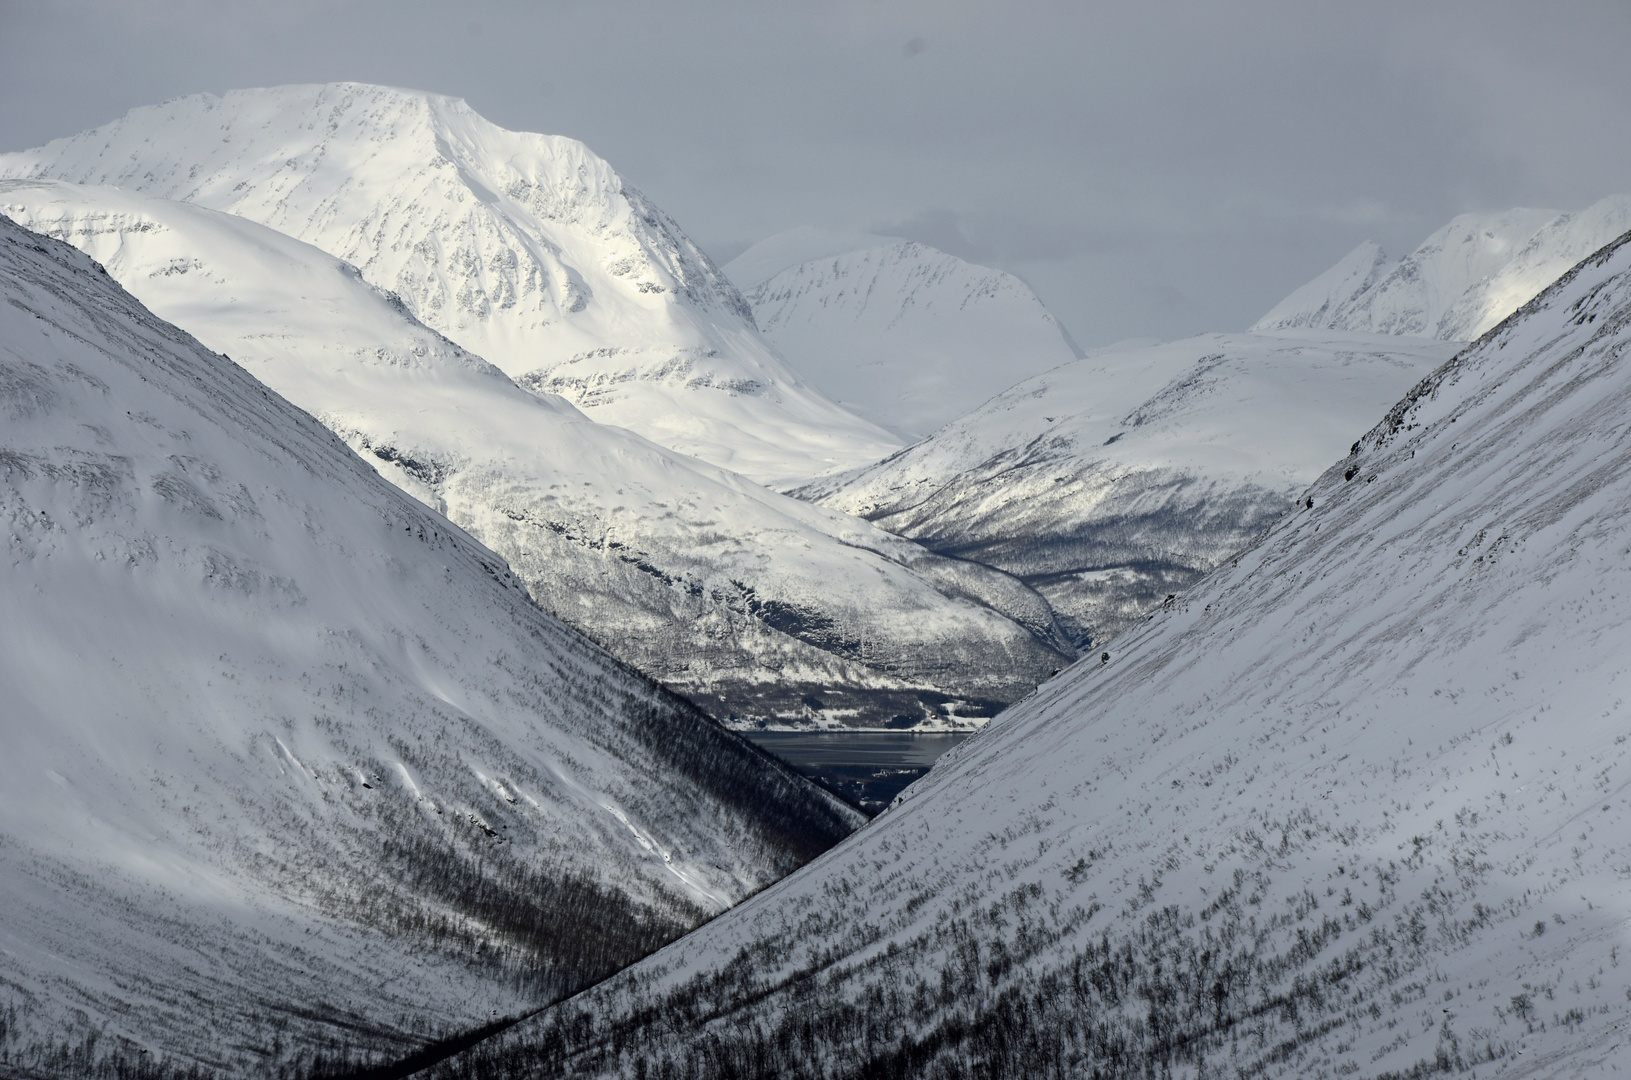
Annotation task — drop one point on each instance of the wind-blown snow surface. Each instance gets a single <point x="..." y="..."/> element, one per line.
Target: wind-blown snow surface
<point x="1358" y="805"/>
<point x="1460" y="282"/>
<point x="1114" y="481"/>
<point x="904" y="335"/>
<point x="290" y="762"/>
<point x="528" y="250"/>
<point x="765" y="609"/>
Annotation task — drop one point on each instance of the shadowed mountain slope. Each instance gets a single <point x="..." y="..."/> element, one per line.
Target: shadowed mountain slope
<point x="292" y="765"/>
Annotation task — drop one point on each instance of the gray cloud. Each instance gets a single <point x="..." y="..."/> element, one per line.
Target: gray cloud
<point x="1152" y="169"/>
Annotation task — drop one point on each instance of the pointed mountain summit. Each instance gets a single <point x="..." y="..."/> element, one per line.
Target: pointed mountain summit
<point x="526" y="249"/>
<point x="281" y="742"/>
<point x="1326" y="301"/>
<point x="1359" y="804"/>
<point x="1461" y="281"/>
<point x="905" y="335"/>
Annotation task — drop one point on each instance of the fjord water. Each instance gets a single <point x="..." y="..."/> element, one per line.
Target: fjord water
<point x="869" y="768"/>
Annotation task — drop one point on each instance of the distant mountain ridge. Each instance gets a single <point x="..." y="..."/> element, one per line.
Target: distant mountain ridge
<point x="1460" y="282"/>
<point x="526" y="249"/>
<point x="1115" y="481"/>
<point x="905" y="335"/>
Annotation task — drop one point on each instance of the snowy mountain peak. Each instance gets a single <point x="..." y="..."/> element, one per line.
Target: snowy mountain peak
<point x="1323" y="301"/>
<point x="526" y="249"/>
<point x="1462" y="280"/>
<point x="807" y="243"/>
<point x="905" y="335"/>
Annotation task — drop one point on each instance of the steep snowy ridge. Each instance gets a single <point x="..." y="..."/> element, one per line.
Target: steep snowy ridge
<point x="751" y="602"/>
<point x="526" y="249"/>
<point x="291" y="763"/>
<point x="1112" y="482"/>
<point x="1325" y="301"/>
<point x="1460" y="282"/>
<point x="904" y="335"/>
<point x="1357" y="805"/>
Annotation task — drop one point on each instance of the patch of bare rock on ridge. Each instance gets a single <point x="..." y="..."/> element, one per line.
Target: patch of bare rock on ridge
<point x="1355" y="805"/>
<point x="296" y="777"/>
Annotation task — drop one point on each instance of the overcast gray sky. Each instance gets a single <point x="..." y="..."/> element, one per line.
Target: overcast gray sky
<point x="1152" y="169"/>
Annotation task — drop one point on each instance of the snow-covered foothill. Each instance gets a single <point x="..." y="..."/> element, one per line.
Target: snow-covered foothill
<point x="1114" y="481"/>
<point x="1462" y="280"/>
<point x="1358" y="804"/>
<point x="764" y="609"/>
<point x="291" y="764"/>
<point x="526" y="249"/>
<point x="902" y="334"/>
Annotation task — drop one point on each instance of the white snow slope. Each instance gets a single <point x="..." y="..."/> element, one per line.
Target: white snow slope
<point x="902" y="334"/>
<point x="746" y="600"/>
<point x="1460" y="282"/>
<point x="1111" y="482"/>
<point x="290" y="762"/>
<point x="1358" y="805"/>
<point x="526" y="249"/>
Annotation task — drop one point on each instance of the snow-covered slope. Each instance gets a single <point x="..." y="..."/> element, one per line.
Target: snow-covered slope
<point x="1358" y="805"/>
<point x="1460" y="282"/>
<point x="526" y="249"/>
<point x="758" y="606"/>
<point x="289" y="761"/>
<point x="1111" y="482"/>
<point x="904" y="335"/>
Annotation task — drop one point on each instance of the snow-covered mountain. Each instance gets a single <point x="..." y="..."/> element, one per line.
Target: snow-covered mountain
<point x="904" y="335"/>
<point x="1357" y="805"/>
<point x="1113" y="481"/>
<point x="1460" y="282"/>
<point x="526" y="249"/>
<point x="760" y="607"/>
<point x="291" y="763"/>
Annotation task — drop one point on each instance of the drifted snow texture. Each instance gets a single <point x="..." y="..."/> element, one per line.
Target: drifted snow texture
<point x="290" y="762"/>
<point x="1358" y="804"/>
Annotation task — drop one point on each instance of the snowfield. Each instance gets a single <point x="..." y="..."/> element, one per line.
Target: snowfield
<point x="1357" y="804"/>
<point x="1117" y="480"/>
<point x="292" y="765"/>
<point x="528" y="250"/>
<point x="766" y="610"/>
<point x="902" y="334"/>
